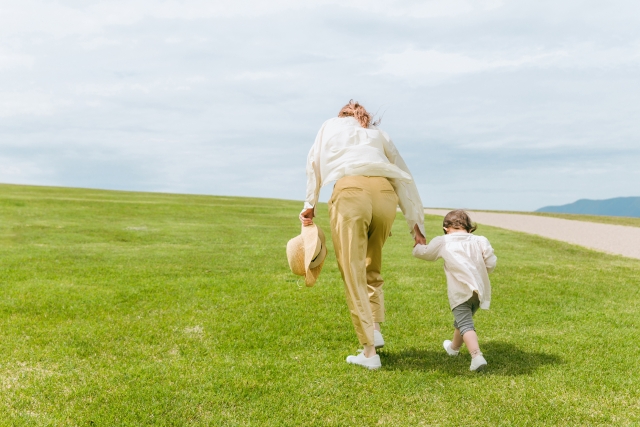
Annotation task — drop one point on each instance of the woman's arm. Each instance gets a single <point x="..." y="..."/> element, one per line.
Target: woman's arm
<point x="418" y="237"/>
<point x="306" y="216"/>
<point x="407" y="191"/>
<point x="314" y="180"/>
<point x="313" y="176"/>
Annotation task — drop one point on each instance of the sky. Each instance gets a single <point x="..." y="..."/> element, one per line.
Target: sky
<point x="505" y="105"/>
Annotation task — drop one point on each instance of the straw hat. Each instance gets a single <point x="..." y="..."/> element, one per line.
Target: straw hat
<point x="306" y="253"/>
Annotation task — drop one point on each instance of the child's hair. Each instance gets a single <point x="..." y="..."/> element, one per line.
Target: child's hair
<point x="459" y="219"/>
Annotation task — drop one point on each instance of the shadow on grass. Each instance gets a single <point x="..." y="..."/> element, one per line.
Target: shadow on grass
<point x="502" y="359"/>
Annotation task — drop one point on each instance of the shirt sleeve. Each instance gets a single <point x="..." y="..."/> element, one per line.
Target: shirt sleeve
<point x="490" y="259"/>
<point x="314" y="179"/>
<point x="430" y="252"/>
<point x="407" y="191"/>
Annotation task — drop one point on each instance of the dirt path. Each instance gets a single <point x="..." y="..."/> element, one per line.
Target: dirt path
<point x="614" y="239"/>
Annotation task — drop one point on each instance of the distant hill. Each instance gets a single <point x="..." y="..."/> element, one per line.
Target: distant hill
<point x="620" y="206"/>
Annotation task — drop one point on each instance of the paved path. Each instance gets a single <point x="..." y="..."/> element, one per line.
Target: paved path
<point x="614" y="239"/>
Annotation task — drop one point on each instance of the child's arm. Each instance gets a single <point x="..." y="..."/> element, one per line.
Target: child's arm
<point x="490" y="259"/>
<point x="430" y="252"/>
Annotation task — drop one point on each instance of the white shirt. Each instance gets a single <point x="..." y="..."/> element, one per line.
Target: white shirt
<point x="344" y="148"/>
<point x="468" y="260"/>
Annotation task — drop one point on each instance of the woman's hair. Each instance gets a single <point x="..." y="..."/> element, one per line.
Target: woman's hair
<point x="353" y="109"/>
<point x="459" y="219"/>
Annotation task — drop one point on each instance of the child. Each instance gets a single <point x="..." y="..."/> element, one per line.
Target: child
<point x="467" y="261"/>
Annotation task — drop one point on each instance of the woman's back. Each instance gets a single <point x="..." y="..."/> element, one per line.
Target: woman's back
<point x="344" y="148"/>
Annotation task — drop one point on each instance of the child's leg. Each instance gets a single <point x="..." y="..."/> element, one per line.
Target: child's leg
<point x="465" y="330"/>
<point x="457" y="341"/>
<point x="471" y="340"/>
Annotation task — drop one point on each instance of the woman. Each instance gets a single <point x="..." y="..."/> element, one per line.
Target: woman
<point x="372" y="179"/>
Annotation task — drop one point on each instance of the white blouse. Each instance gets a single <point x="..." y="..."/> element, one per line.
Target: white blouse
<point x="344" y="148"/>
<point x="468" y="260"/>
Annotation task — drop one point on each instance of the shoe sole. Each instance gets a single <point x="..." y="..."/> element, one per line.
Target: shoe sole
<point x="480" y="368"/>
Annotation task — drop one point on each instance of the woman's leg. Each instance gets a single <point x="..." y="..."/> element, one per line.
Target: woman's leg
<point x="350" y="211"/>
<point x="384" y="202"/>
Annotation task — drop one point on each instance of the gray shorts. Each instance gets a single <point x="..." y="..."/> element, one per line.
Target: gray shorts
<point x="463" y="314"/>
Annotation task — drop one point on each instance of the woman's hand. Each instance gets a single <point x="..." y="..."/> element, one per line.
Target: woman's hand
<point x="306" y="217"/>
<point x="418" y="237"/>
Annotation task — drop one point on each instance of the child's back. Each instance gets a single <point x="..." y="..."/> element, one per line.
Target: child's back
<point x="467" y="261"/>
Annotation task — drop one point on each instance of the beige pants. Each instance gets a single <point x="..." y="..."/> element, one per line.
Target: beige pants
<point x="362" y="211"/>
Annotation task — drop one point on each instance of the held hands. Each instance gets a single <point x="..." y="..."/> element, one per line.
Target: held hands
<point x="306" y="217"/>
<point x="418" y="237"/>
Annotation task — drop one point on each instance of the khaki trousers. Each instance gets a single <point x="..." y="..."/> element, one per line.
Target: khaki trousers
<point x="362" y="210"/>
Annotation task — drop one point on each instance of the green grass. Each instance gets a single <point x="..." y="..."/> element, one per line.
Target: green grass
<point x="133" y="309"/>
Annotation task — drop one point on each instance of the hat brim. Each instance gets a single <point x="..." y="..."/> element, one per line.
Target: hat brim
<point x="314" y="239"/>
<point x="307" y="252"/>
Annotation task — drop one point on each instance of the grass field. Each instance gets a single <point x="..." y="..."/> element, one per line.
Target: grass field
<point x="137" y="309"/>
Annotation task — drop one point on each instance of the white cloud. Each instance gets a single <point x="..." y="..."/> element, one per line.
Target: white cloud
<point x="225" y="97"/>
<point x="432" y="63"/>
<point x="110" y="90"/>
<point x="590" y="55"/>
<point x="198" y="9"/>
<point x="19" y="171"/>
<point x="45" y="17"/>
<point x="30" y="102"/>
<point x="420" y="9"/>
<point x="9" y="60"/>
<point x="263" y="75"/>
<point x="99" y="42"/>
<point x="59" y="19"/>
<point x="435" y="65"/>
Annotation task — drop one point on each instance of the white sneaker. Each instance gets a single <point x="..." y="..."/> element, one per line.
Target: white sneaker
<point x="447" y="346"/>
<point x="372" y="362"/>
<point x="378" y="341"/>
<point x="478" y="363"/>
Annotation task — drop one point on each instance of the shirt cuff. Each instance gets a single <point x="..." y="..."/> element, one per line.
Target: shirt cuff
<point x="420" y="227"/>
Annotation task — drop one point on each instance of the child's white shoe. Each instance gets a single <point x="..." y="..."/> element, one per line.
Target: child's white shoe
<point x="447" y="346"/>
<point x="478" y="363"/>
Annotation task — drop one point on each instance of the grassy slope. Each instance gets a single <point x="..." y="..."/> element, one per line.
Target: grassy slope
<point x="150" y="309"/>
